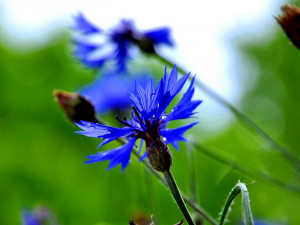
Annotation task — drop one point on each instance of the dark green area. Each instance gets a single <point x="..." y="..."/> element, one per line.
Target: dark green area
<point x="42" y="159"/>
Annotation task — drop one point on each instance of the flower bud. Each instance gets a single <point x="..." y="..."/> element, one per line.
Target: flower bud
<point x="75" y="106"/>
<point x="145" y="45"/>
<point x="159" y="154"/>
<point x="290" y="23"/>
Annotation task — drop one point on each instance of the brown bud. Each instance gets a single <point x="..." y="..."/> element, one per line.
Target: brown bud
<point x="145" y="45"/>
<point x="290" y="23"/>
<point x="75" y="106"/>
<point x="159" y="154"/>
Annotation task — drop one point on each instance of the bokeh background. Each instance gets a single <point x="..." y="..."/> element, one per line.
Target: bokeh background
<point x="236" y="48"/>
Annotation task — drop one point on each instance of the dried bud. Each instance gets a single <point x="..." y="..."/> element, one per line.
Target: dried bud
<point x="145" y="45"/>
<point x="159" y="154"/>
<point x="290" y="23"/>
<point x="75" y="106"/>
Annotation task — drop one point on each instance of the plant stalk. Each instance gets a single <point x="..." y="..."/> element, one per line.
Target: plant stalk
<point x="177" y="196"/>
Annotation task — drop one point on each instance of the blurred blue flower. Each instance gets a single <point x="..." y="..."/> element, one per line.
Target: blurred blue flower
<point x="29" y="218"/>
<point x="39" y="216"/>
<point x="109" y="92"/>
<point x="115" y="44"/>
<point x="261" y="222"/>
<point x="149" y="120"/>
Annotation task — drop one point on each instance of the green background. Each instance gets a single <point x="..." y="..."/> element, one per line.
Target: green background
<point x="42" y="159"/>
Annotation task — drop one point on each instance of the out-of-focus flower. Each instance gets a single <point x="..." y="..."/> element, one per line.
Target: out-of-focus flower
<point x="109" y="92"/>
<point x="148" y="122"/>
<point x="290" y="23"/>
<point x="39" y="216"/>
<point x="28" y="218"/>
<point x="116" y="44"/>
<point x="261" y="222"/>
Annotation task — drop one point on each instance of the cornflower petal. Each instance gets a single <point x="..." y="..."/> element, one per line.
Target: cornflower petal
<point x="95" y="63"/>
<point x="173" y="136"/>
<point x="149" y="92"/>
<point x="141" y="95"/>
<point x="120" y="155"/>
<point x="102" y="131"/>
<point x="160" y="36"/>
<point x="141" y="146"/>
<point x="179" y="85"/>
<point x="145" y="155"/>
<point x="171" y="88"/>
<point x="84" y="48"/>
<point x="90" y="129"/>
<point x="121" y="55"/>
<point x="172" y="79"/>
<point x="136" y="102"/>
<point x="84" y="26"/>
<point x="185" y="108"/>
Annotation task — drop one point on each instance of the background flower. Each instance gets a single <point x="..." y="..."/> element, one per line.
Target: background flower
<point x="116" y="44"/>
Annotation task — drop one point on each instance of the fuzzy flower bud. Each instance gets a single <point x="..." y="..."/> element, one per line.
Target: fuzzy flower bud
<point x="159" y="155"/>
<point x="290" y="23"/>
<point x="75" y="106"/>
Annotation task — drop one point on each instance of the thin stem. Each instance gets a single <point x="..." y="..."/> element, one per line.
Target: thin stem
<point x="150" y="191"/>
<point x="242" y="117"/>
<point x="192" y="177"/>
<point x="177" y="196"/>
<point x="190" y="155"/>
<point x="250" y="172"/>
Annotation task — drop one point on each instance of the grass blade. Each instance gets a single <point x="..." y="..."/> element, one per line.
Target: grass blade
<point x="247" y="214"/>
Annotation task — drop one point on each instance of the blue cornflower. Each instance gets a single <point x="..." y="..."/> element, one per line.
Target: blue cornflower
<point x="116" y="44"/>
<point x="28" y="218"/>
<point x="39" y="216"/>
<point x="148" y="122"/>
<point x="109" y="91"/>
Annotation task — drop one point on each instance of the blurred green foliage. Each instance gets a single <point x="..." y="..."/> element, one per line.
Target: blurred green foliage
<point x="42" y="159"/>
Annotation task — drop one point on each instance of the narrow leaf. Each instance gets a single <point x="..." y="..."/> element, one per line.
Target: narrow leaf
<point x="247" y="214"/>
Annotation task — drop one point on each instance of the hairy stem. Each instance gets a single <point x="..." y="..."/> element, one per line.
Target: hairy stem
<point x="177" y="196"/>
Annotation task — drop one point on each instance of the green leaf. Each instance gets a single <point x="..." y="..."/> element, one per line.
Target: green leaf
<point x="247" y="214"/>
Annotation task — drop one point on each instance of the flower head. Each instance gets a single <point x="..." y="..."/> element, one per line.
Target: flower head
<point x="149" y="122"/>
<point x="116" y="44"/>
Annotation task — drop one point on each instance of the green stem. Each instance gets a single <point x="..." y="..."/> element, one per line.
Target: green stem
<point x="190" y="155"/>
<point x="177" y="196"/>
<point x="288" y="155"/>
<point x="250" y="172"/>
<point x="193" y="190"/>
<point x="150" y="190"/>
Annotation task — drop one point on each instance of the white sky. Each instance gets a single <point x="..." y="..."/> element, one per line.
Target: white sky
<point x="201" y="29"/>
